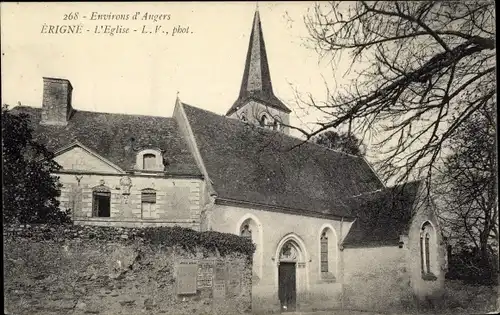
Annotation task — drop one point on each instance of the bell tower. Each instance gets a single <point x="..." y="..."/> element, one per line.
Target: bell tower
<point x="256" y="102"/>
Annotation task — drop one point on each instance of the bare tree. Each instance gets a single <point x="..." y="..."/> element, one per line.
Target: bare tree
<point x="467" y="184"/>
<point x="423" y="68"/>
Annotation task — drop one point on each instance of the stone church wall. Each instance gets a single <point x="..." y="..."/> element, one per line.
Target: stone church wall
<point x="254" y="110"/>
<point x="177" y="200"/>
<point x="97" y="270"/>
<point x="313" y="291"/>
<point x="376" y="279"/>
<point x="428" y="292"/>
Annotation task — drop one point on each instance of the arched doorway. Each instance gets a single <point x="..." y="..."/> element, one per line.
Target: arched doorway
<point x="290" y="255"/>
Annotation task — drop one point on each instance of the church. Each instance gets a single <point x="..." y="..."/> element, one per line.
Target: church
<point x="328" y="233"/>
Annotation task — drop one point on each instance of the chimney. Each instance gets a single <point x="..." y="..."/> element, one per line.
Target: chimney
<point x="56" y="104"/>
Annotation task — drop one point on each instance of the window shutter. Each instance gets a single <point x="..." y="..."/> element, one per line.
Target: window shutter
<point x="95" y="204"/>
<point x="146" y="210"/>
<point x="148" y="195"/>
<point x="149" y="161"/>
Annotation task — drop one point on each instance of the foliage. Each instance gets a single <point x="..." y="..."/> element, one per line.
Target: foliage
<point x="344" y="142"/>
<point x="467" y="188"/>
<point x="190" y="239"/>
<point x="421" y="68"/>
<point x="29" y="190"/>
<point x="470" y="266"/>
<point x="186" y="238"/>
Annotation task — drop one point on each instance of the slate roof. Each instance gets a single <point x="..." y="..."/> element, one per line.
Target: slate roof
<point x="253" y="164"/>
<point x="382" y="216"/>
<point x="256" y="82"/>
<point x="109" y="136"/>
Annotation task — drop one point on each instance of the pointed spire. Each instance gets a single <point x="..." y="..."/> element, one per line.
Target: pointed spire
<point x="256" y="82"/>
<point x="256" y="76"/>
<point x="177" y="100"/>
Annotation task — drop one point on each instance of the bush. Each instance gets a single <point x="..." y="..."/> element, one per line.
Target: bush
<point x="29" y="189"/>
<point x="190" y="239"/>
<point x="468" y="266"/>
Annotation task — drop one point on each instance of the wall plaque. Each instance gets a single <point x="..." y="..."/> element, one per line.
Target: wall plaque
<point x="205" y="274"/>
<point x="219" y="291"/>
<point x="187" y="272"/>
<point x="220" y="271"/>
<point x="234" y="285"/>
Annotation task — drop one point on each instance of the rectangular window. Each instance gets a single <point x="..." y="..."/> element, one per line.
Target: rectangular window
<point x="149" y="161"/>
<point x="148" y="204"/>
<point x="324" y="255"/>
<point x="101" y="204"/>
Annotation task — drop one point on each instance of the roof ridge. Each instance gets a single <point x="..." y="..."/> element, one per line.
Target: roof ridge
<point x="272" y="131"/>
<point x="123" y="114"/>
<point x="95" y="112"/>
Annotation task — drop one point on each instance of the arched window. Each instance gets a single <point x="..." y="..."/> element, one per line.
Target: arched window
<point x="246" y="232"/>
<point x="101" y="202"/>
<point x="276" y="125"/>
<point x="428" y="252"/>
<point x="148" y="204"/>
<point x="250" y="228"/>
<point x="263" y="121"/>
<point x="324" y="252"/>
<point x="328" y="254"/>
<point x="149" y="161"/>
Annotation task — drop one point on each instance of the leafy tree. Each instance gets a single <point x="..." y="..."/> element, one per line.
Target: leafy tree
<point x="29" y="190"/>
<point x="467" y="187"/>
<point x="422" y="68"/>
<point x="344" y="142"/>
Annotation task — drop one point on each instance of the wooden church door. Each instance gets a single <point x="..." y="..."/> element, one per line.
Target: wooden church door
<point x="287" y="286"/>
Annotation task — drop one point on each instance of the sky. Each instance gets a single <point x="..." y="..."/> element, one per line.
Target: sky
<point x="142" y="73"/>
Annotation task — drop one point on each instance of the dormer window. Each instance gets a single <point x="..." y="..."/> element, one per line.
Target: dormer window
<point x="150" y="160"/>
<point x="243" y="118"/>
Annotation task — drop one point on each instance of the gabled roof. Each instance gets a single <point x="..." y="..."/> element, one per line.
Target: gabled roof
<point x="382" y="216"/>
<point x="256" y="83"/>
<point x="78" y="144"/>
<point x="108" y="135"/>
<point x="253" y="164"/>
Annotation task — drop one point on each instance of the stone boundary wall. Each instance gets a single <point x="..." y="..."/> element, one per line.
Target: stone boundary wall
<point x="103" y="270"/>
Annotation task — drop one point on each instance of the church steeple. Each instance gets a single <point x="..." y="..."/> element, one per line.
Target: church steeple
<point x="256" y="83"/>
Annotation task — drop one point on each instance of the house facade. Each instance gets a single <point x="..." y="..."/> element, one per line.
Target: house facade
<point x="328" y="233"/>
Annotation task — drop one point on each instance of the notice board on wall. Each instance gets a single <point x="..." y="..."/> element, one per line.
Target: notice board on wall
<point x="187" y="273"/>
<point x="205" y="273"/>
